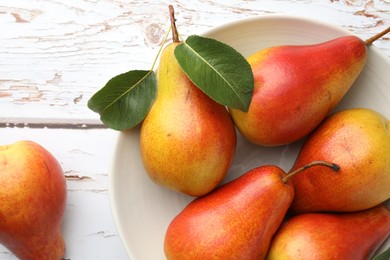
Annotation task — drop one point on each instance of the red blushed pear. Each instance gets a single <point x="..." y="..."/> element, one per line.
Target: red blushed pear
<point x="296" y="86"/>
<point x="326" y="236"/>
<point x="359" y="141"/>
<point x="32" y="202"/>
<point x="236" y="220"/>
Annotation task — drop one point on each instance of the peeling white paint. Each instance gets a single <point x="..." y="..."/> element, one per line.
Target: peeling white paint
<point x="55" y="54"/>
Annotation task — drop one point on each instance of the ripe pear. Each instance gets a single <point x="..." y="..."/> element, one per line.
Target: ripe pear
<point x="235" y="221"/>
<point x="358" y="140"/>
<point x="296" y="86"/>
<point x="32" y="201"/>
<point x="327" y="236"/>
<point x="187" y="140"/>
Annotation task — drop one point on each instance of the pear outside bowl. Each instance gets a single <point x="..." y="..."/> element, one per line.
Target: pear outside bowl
<point x="142" y="210"/>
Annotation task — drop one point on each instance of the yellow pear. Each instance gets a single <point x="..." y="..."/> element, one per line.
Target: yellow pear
<point x="187" y="140"/>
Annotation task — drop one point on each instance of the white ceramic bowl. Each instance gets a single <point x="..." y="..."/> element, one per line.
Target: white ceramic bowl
<point x="142" y="210"/>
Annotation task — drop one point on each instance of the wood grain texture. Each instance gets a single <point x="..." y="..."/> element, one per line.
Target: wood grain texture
<point x="55" y="54"/>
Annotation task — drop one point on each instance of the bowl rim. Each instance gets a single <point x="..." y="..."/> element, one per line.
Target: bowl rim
<point x="206" y="33"/>
<point x="275" y="16"/>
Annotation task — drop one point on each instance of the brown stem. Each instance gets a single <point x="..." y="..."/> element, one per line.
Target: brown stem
<point x="175" y="35"/>
<point x="369" y="41"/>
<point x="333" y="166"/>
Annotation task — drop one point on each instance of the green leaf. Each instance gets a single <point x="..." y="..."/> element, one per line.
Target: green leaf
<point x="385" y="255"/>
<point x="126" y="99"/>
<point x="217" y="69"/>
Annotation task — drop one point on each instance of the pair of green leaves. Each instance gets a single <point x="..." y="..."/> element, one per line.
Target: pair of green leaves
<point x="216" y="68"/>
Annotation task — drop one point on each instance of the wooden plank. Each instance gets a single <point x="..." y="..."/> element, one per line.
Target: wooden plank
<point x="54" y="55"/>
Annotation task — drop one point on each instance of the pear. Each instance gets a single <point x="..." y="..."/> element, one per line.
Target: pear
<point x="187" y="140"/>
<point x="296" y="86"/>
<point x="235" y="221"/>
<point x="327" y="236"/>
<point x="32" y="201"/>
<point x="358" y="140"/>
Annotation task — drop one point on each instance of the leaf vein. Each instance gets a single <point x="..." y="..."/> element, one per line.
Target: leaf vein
<point x="215" y="70"/>
<point x="127" y="91"/>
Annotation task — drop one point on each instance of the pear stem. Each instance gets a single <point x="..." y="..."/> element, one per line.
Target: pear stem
<point x="333" y="166"/>
<point x="175" y="35"/>
<point x="369" y="41"/>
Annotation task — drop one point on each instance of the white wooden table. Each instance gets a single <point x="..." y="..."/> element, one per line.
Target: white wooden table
<point x="55" y="54"/>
